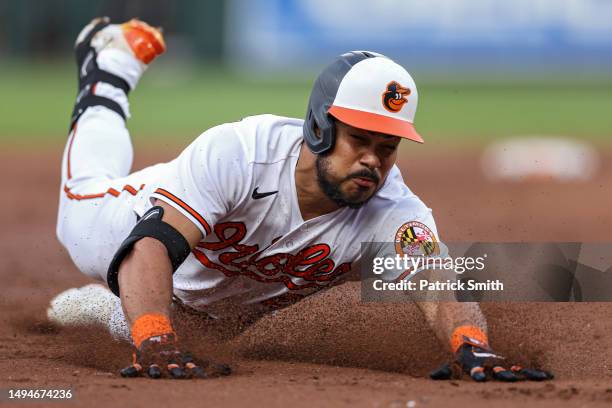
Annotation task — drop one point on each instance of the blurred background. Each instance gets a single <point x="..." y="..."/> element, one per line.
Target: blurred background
<point x="485" y="69"/>
<point x="514" y="97"/>
<point x="515" y="102"/>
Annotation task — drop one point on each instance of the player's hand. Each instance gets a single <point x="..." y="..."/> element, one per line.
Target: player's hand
<point x="160" y="357"/>
<point x="482" y="363"/>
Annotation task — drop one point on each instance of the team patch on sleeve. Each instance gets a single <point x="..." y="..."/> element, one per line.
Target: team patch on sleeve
<point x="415" y="238"/>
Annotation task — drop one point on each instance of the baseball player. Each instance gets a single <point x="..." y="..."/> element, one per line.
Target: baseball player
<point x="252" y="216"/>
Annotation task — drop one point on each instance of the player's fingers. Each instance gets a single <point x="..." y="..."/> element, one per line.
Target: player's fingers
<point x="502" y="374"/>
<point x="532" y="374"/>
<point x="154" y="371"/>
<point x="195" y="371"/>
<point x="444" y="372"/>
<point x="192" y="368"/>
<point x="135" y="370"/>
<point x="478" y="374"/>
<point x="177" y="372"/>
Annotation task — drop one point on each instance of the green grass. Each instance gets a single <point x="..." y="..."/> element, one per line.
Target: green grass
<point x="179" y="103"/>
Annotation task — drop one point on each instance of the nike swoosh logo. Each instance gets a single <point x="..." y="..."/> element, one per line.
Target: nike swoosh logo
<point x="256" y="195"/>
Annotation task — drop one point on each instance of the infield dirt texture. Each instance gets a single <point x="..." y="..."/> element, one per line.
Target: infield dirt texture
<point x="330" y="349"/>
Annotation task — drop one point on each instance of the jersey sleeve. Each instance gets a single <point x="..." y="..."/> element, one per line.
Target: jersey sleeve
<point x="208" y="178"/>
<point x="408" y="230"/>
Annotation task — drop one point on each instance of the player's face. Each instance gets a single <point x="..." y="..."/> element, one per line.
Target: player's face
<point x="357" y="166"/>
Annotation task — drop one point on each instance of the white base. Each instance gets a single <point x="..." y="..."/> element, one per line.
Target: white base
<point x="89" y="305"/>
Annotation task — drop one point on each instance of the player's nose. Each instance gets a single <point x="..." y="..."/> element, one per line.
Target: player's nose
<point x="370" y="160"/>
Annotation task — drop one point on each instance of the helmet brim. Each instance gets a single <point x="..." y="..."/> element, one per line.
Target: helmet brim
<point x="375" y="122"/>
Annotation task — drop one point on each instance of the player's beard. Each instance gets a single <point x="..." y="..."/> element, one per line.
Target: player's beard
<point x="333" y="189"/>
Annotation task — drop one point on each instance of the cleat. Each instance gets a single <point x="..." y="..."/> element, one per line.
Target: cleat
<point x="86" y="54"/>
<point x="145" y="42"/>
<point x="113" y="54"/>
<point x="84" y="36"/>
<point x="134" y="37"/>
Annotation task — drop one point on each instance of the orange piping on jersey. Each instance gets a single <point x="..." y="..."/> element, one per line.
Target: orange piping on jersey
<point x="113" y="192"/>
<point x="74" y="129"/>
<point x="73" y="196"/>
<point x="185" y="207"/>
<point x="110" y="191"/>
<point x="130" y="189"/>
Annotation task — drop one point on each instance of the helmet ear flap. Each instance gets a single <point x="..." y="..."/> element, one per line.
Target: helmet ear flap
<point x="327" y="132"/>
<point x="319" y="131"/>
<point x="318" y="118"/>
<point x="321" y="99"/>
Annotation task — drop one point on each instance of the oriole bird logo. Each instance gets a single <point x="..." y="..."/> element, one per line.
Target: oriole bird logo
<point x="394" y="97"/>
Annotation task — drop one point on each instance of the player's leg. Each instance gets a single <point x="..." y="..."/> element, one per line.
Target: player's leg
<point x="93" y="212"/>
<point x="111" y="58"/>
<point x="96" y="208"/>
<point x="89" y="305"/>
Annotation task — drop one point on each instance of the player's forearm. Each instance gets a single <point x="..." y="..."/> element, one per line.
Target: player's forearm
<point x="145" y="280"/>
<point x="446" y="317"/>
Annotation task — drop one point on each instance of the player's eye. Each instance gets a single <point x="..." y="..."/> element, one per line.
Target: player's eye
<point x="387" y="150"/>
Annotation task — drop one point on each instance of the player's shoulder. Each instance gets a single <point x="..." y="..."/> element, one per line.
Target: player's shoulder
<point x="268" y="123"/>
<point x="395" y="207"/>
<point x="395" y="195"/>
<point x="270" y="138"/>
<point x="395" y="199"/>
<point x="256" y="139"/>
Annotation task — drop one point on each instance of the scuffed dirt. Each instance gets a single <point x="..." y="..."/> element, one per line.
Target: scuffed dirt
<point x="329" y="349"/>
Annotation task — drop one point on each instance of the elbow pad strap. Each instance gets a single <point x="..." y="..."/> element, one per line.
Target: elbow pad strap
<point x="150" y="225"/>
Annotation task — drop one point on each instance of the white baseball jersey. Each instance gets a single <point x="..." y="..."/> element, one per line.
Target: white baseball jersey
<point x="236" y="183"/>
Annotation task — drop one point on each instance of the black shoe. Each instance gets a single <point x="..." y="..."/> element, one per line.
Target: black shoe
<point x="90" y="74"/>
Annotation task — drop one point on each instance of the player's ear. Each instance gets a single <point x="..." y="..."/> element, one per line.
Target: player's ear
<point x="317" y="131"/>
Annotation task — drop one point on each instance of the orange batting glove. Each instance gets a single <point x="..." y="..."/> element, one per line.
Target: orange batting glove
<point x="157" y="353"/>
<point x="473" y="356"/>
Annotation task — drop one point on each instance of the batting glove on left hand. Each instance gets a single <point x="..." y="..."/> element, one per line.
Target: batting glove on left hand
<point x="481" y="364"/>
<point x="476" y="358"/>
<point x="159" y="355"/>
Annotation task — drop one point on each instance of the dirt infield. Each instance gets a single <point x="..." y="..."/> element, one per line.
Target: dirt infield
<point x="330" y="349"/>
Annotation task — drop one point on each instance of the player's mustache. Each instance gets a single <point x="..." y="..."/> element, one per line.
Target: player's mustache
<point x="366" y="174"/>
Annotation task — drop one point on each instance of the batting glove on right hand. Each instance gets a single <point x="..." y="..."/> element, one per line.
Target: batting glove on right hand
<point x="159" y="355"/>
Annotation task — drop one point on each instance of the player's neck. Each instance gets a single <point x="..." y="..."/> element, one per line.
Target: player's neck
<point x="312" y="200"/>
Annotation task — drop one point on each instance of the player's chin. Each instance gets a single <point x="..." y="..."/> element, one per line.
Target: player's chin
<point x="356" y="197"/>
